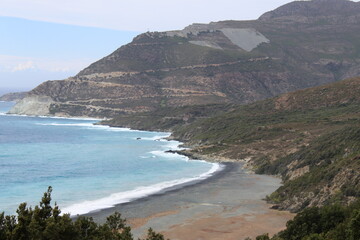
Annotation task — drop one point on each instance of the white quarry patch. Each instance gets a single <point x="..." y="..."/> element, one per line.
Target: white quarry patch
<point x="245" y="38"/>
<point x="33" y="105"/>
<point x="206" y="44"/>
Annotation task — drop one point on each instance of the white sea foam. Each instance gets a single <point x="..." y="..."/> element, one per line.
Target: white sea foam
<point x="140" y="192"/>
<point x="173" y="145"/>
<point x="54" y="117"/>
<point x="163" y="154"/>
<point x="87" y="125"/>
<point x="156" y="138"/>
<point x="91" y="125"/>
<point x="71" y="118"/>
<point x="67" y="124"/>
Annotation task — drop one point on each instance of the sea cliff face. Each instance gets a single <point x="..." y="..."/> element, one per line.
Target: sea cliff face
<point x="224" y="62"/>
<point x="33" y="105"/>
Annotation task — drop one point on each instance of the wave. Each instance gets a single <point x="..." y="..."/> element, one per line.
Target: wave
<point x="168" y="155"/>
<point x="173" y="145"/>
<point x="91" y="125"/>
<point x="156" y="138"/>
<point x="70" y="118"/>
<point x="140" y="192"/>
<point x="87" y="125"/>
<point x="54" y="117"/>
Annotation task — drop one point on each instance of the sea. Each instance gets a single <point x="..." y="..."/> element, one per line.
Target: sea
<point x="90" y="167"/>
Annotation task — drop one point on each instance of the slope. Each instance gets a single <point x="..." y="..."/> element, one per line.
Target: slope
<point x="309" y="137"/>
<point x="224" y="62"/>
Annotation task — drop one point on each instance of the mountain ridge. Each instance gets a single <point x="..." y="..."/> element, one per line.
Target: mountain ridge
<point x="310" y="10"/>
<point x="224" y="62"/>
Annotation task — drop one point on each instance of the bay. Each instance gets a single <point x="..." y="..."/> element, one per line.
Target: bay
<point x="90" y="167"/>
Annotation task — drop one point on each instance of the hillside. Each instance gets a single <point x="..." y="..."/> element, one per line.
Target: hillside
<point x="308" y="137"/>
<point x="326" y="223"/>
<point x="299" y="45"/>
<point x="10" y="97"/>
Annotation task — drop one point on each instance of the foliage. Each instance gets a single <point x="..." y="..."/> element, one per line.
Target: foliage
<point x="330" y="157"/>
<point x="332" y="222"/>
<point x="45" y="222"/>
<point x="263" y="237"/>
<point x="313" y="132"/>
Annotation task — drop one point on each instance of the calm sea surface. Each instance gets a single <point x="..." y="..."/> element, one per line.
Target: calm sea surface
<point x="89" y="167"/>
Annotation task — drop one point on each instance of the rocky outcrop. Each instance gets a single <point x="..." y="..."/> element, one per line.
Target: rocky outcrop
<point x="33" y="105"/>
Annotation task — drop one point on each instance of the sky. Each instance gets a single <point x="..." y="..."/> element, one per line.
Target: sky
<point x="54" y="39"/>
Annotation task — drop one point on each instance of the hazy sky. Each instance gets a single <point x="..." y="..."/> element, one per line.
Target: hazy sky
<point x="136" y="15"/>
<point x="53" y="39"/>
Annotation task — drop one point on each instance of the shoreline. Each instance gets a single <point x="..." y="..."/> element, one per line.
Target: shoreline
<point x="140" y="191"/>
<point x="227" y="205"/>
<point x="101" y="214"/>
<point x="202" y="208"/>
<point x="156" y="189"/>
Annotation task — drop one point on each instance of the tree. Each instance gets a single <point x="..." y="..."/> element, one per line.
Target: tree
<point x="354" y="226"/>
<point x="263" y="237"/>
<point x="153" y="235"/>
<point x="45" y="222"/>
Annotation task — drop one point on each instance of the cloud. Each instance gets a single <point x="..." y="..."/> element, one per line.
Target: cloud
<point x="18" y="63"/>
<point x="18" y="72"/>
<point x="24" y="66"/>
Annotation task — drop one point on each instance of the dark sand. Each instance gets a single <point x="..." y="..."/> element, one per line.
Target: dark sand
<point x="227" y="205"/>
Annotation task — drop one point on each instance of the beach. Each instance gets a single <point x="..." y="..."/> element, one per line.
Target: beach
<point x="228" y="205"/>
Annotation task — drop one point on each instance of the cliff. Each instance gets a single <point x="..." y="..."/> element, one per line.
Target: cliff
<point x="224" y="62"/>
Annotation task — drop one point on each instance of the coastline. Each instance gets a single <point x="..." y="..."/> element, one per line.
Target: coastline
<point x="204" y="208"/>
<point x="197" y="211"/>
<point x="227" y="205"/>
<point x="101" y="214"/>
<point x="140" y="191"/>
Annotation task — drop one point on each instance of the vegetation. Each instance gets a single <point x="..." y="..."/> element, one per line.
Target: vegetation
<point x="45" y="222"/>
<point x="310" y="138"/>
<point x="333" y="160"/>
<point x="167" y="118"/>
<point x="332" y="222"/>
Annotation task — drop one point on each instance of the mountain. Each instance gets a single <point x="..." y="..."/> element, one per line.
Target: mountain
<point x="13" y="97"/>
<point x="299" y="45"/>
<point x="335" y="11"/>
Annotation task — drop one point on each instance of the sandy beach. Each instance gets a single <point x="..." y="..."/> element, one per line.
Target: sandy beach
<point x="228" y="205"/>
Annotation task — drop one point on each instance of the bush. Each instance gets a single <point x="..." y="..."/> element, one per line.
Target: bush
<point x="45" y="222"/>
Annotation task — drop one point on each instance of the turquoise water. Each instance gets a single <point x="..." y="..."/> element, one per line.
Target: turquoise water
<point x="89" y="167"/>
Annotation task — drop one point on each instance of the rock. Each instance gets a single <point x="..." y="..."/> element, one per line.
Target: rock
<point x="33" y="105"/>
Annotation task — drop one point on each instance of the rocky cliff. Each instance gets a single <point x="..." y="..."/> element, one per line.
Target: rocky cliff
<point x="224" y="62"/>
